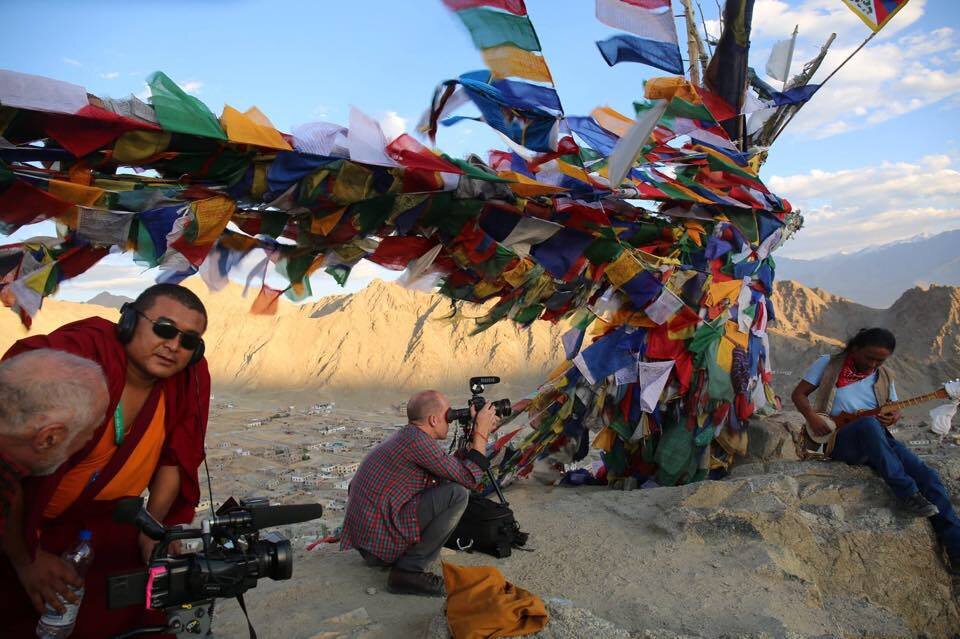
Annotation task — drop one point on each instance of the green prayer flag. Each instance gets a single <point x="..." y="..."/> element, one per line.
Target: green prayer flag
<point x="490" y="28"/>
<point x="339" y="272"/>
<point x="675" y="454"/>
<point x="450" y="215"/>
<point x="371" y="214"/>
<point x="678" y="107"/>
<point x="179" y="112"/>
<point x="475" y="172"/>
<point x="603" y="251"/>
<point x="273" y="222"/>
<point x="145" y="252"/>
<point x="528" y="314"/>
<point x="6" y="175"/>
<point x="746" y="221"/>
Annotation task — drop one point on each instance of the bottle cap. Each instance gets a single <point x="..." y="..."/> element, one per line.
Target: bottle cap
<point x="86" y="535"/>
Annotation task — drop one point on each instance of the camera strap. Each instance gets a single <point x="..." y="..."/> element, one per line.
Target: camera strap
<point x="243" y="607"/>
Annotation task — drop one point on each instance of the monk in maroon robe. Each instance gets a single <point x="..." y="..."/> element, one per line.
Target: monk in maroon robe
<point x="151" y="437"/>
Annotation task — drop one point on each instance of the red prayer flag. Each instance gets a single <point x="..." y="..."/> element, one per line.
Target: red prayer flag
<point x="395" y="252"/>
<point x="515" y="7"/>
<point x="413" y="155"/>
<point x="266" y="302"/>
<point x="90" y="128"/>
<point x="21" y="203"/>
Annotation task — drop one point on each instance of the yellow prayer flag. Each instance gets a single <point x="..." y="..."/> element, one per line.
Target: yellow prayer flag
<point x="622" y="269"/>
<point x="37" y="281"/>
<point x="136" y="146"/>
<point x="656" y="261"/>
<point x="605" y="439"/>
<point x="506" y="61"/>
<point x="212" y="215"/>
<point x="667" y="88"/>
<point x="562" y="368"/>
<point x="323" y="225"/>
<point x="251" y="127"/>
<point x="725" y="354"/>
<point x="732" y="332"/>
<point x="632" y="318"/>
<point x="720" y="291"/>
<point x="573" y="171"/>
<point x="353" y="183"/>
<point x="695" y="230"/>
<point x="75" y="193"/>
<point x="612" y="121"/>
<point x="526" y="187"/>
<point x="518" y="274"/>
<point x="484" y="288"/>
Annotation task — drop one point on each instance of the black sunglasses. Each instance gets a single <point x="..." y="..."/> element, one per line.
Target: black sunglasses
<point x="166" y="329"/>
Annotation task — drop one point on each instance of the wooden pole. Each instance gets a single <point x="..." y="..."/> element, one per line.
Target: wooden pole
<point x="693" y="43"/>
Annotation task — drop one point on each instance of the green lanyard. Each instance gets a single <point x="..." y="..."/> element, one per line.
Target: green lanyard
<point x="118" y="424"/>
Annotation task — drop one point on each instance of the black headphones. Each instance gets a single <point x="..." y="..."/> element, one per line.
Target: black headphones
<point x="127" y="324"/>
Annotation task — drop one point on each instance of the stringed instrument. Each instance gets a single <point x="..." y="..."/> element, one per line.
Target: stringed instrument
<point x="950" y="390"/>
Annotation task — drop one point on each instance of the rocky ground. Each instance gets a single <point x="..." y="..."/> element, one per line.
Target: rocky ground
<point x="779" y="549"/>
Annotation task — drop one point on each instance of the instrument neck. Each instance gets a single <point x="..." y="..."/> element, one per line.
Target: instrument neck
<point x="938" y="394"/>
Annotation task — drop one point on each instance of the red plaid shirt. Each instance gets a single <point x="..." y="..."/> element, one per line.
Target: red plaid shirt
<point x="10" y="475"/>
<point x="381" y="515"/>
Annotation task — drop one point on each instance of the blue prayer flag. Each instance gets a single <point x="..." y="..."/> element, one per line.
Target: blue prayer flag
<point x="629" y="48"/>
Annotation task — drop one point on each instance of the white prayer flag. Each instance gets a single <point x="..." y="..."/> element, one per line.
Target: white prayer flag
<point x="779" y="63"/>
<point x="630" y="145"/>
<point x="366" y="140"/>
<point x="37" y="93"/>
<point x="655" y="23"/>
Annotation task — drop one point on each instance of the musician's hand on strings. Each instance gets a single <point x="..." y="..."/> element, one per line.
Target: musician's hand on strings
<point x="819" y="426"/>
<point x="889" y="418"/>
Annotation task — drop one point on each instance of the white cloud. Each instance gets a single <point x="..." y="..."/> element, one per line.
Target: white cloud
<point x="850" y="209"/>
<point x="393" y="125"/>
<point x="111" y="75"/>
<point x="891" y="76"/>
<point x="71" y="62"/>
<point x="192" y="86"/>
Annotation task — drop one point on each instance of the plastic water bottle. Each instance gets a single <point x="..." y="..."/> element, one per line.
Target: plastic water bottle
<point x="52" y="624"/>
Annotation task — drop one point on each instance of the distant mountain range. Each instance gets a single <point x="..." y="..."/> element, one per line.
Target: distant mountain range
<point x="877" y="276"/>
<point x="109" y="300"/>
<point x="384" y="341"/>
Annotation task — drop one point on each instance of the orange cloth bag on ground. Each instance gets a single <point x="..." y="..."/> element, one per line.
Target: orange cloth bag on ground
<point x="481" y="604"/>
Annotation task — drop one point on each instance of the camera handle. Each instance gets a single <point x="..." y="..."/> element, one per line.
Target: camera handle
<point x="195" y="620"/>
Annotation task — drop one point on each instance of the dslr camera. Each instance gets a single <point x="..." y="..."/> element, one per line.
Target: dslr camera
<point x="233" y="558"/>
<point x="462" y="416"/>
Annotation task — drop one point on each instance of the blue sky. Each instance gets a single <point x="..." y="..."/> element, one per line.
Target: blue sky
<point x="872" y="159"/>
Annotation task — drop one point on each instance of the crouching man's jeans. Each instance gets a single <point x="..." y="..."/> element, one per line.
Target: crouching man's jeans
<point x="867" y="442"/>
<point x="438" y="513"/>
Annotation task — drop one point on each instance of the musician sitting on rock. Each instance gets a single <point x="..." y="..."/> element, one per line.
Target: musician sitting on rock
<point x="854" y="380"/>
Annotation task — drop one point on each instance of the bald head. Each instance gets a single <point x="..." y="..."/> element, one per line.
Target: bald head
<point x="50" y="402"/>
<point x="424" y="404"/>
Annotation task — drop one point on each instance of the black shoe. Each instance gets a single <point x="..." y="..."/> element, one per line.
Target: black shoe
<point x="402" y="582"/>
<point x="918" y="506"/>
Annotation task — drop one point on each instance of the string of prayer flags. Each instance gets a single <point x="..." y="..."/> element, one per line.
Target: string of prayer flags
<point x="542" y="232"/>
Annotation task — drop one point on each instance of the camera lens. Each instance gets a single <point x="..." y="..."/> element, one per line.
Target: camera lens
<point x="275" y="557"/>
<point x="503" y="407"/>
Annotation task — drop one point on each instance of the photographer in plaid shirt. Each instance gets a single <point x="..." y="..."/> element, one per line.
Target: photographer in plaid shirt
<point x="408" y="494"/>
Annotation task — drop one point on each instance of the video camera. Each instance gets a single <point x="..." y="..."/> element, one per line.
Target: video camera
<point x="234" y="557"/>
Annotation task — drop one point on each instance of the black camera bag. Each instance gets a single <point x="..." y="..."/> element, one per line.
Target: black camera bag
<point x="488" y="527"/>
